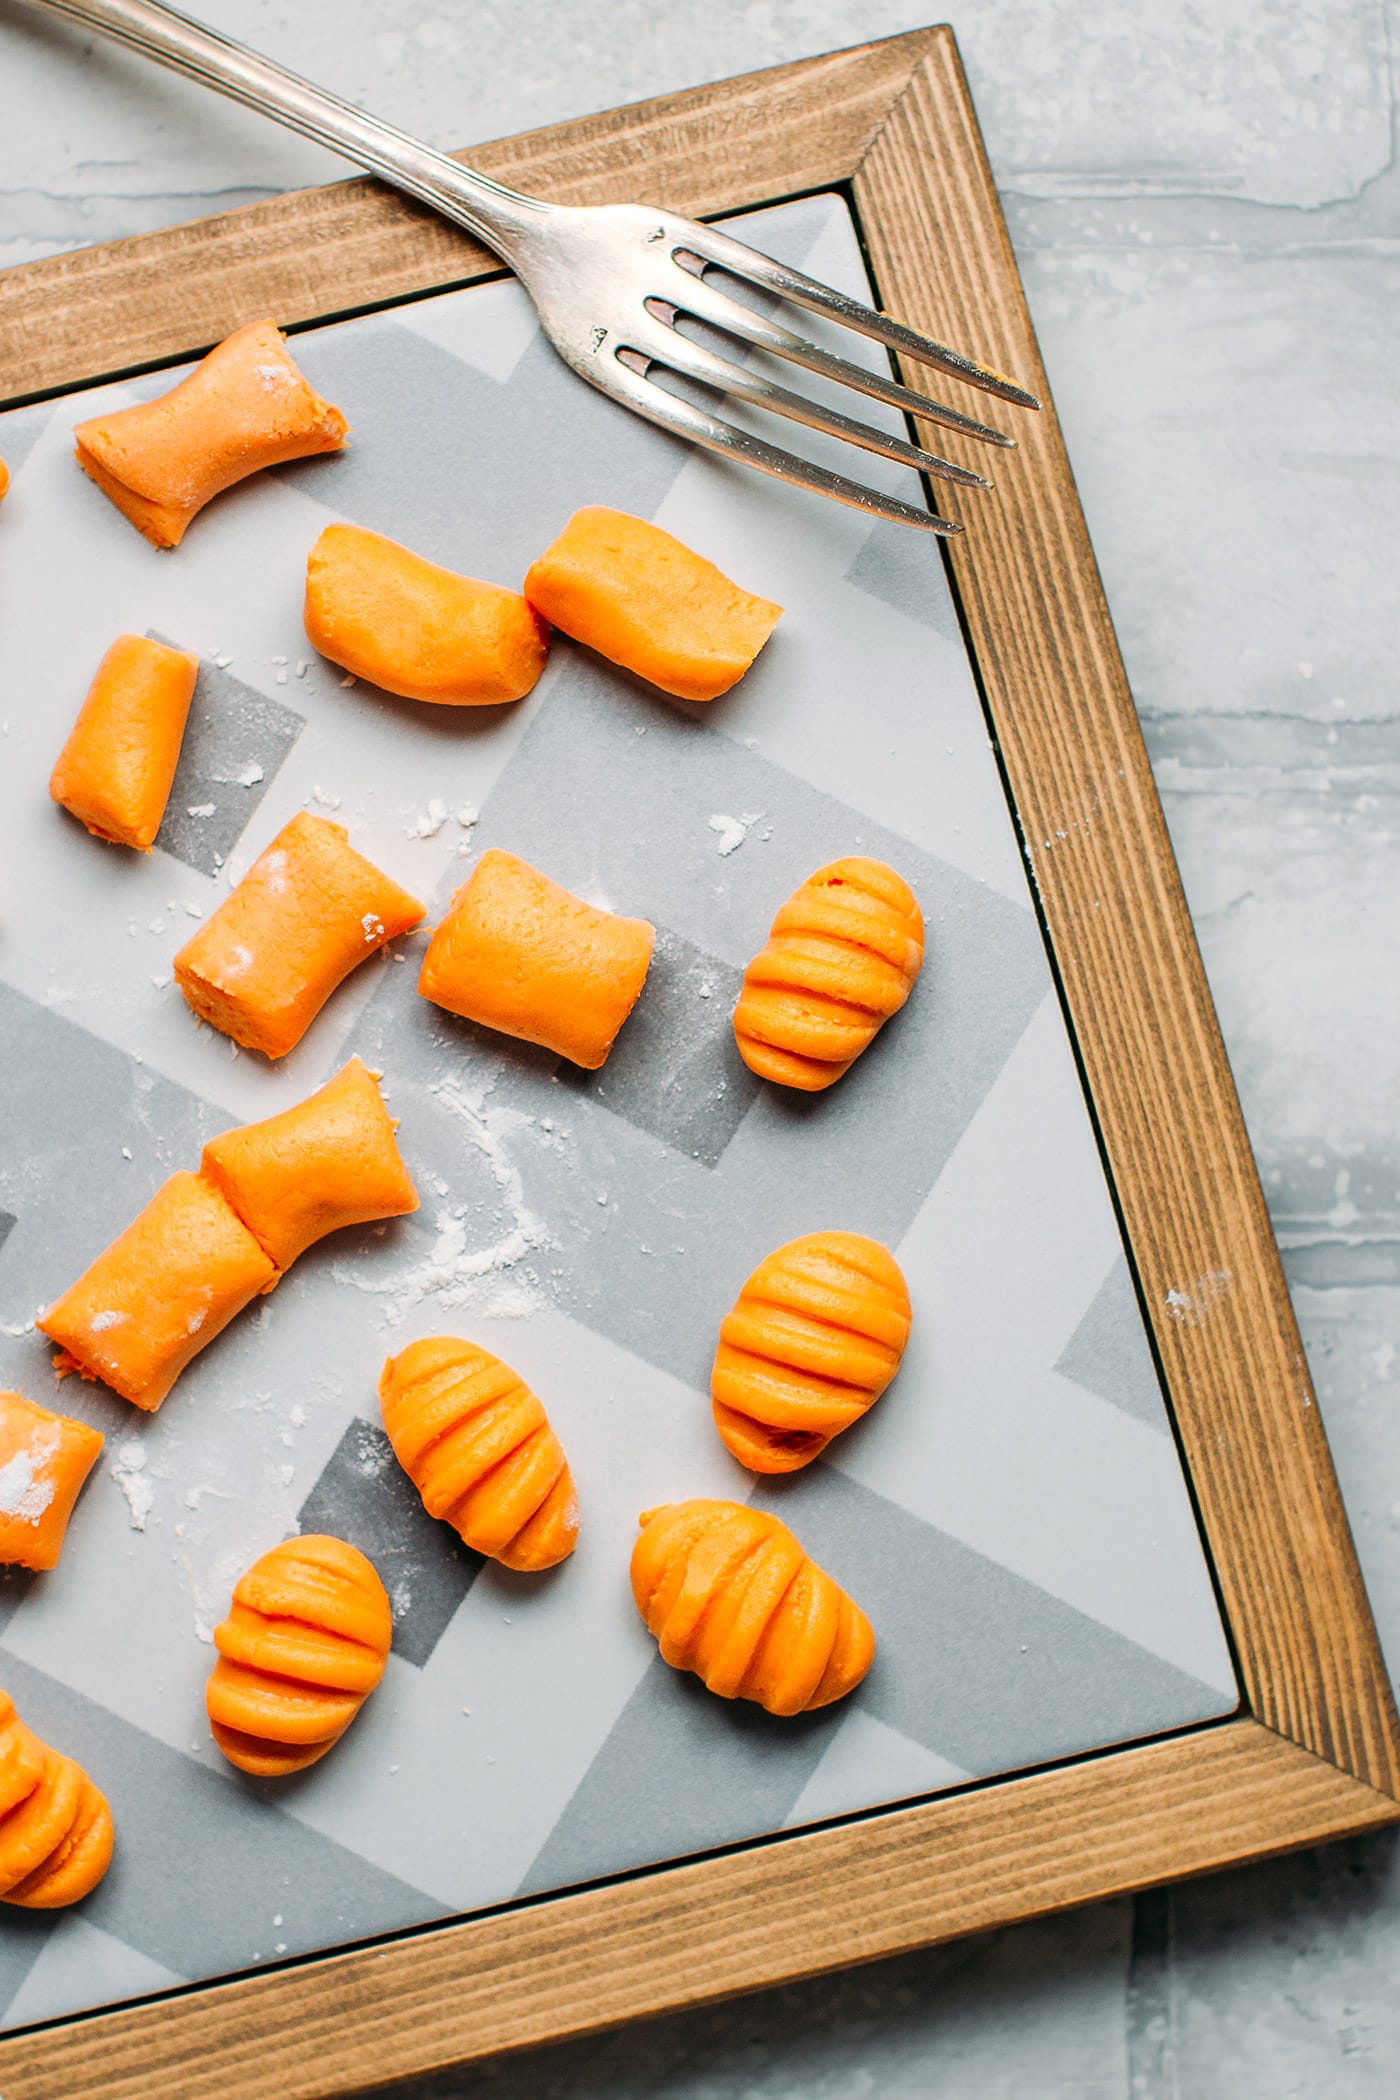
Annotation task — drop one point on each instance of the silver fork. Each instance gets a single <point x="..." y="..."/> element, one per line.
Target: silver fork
<point x="612" y="282"/>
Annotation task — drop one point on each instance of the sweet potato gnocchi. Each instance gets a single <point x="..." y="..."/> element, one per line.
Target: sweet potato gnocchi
<point x="645" y="601"/>
<point x="55" y="1826"/>
<point x="243" y="407"/>
<point x="115" y="772"/>
<point x="423" y="632"/>
<point x="730" y="1595"/>
<point x="815" y="1337"/>
<point x="477" y="1445"/>
<point x="843" y="955"/>
<point x="519" y="953"/>
<point x="303" y="1646"/>
<point x="308" y="911"/>
<point x="191" y="1261"/>
<point x="44" y="1460"/>
<point x="329" y="1162"/>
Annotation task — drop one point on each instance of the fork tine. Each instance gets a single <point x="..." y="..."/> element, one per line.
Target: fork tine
<point x="710" y="305"/>
<point x="628" y="380"/>
<point x="743" y="261"/>
<point x="697" y="362"/>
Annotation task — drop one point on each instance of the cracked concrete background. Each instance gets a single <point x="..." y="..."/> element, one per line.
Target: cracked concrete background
<point x="1206" y="208"/>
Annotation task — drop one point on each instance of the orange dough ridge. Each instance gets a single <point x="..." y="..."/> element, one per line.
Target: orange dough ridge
<point x="730" y="1595"/>
<point x="646" y="601"/>
<point x="244" y="407"/>
<point x="303" y="1646"/>
<point x="477" y="1445"/>
<point x="55" y="1826"/>
<point x="843" y="955"/>
<point x="816" y="1335"/>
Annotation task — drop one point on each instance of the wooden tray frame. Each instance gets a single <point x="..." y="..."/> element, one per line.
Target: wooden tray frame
<point x="1314" y="1751"/>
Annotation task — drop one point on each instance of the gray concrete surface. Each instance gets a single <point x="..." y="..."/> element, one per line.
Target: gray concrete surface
<point x="1206" y="208"/>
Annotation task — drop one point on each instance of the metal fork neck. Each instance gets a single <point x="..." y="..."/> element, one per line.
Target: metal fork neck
<point x="497" y="215"/>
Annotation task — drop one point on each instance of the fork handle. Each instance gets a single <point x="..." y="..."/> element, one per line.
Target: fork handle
<point x="495" y="214"/>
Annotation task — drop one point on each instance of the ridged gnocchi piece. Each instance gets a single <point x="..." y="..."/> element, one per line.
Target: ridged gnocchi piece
<point x="476" y="1443"/>
<point x="843" y="955"/>
<point x="302" y="1648"/>
<point x="55" y="1825"/>
<point x="730" y="1595"/>
<point x="815" y="1336"/>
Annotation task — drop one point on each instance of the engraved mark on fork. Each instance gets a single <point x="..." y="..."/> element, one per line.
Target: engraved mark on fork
<point x="597" y="337"/>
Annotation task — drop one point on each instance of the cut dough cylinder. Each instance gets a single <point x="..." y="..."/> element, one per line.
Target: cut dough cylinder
<point x="162" y="1291"/>
<point x="114" y="772"/>
<point x="518" y="953"/>
<point x="815" y="1337"/>
<point x="4" y="478"/>
<point x="843" y="955"/>
<point x="308" y="910"/>
<point x="328" y="1162"/>
<point x="244" y="407"/>
<point x="645" y="601"/>
<point x="55" y="1826"/>
<point x="303" y="1646"/>
<point x="730" y="1595"/>
<point x="44" y="1460"/>
<point x="425" y="633"/>
<point x="477" y="1445"/>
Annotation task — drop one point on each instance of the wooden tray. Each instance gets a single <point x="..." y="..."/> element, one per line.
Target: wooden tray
<point x="1315" y="1751"/>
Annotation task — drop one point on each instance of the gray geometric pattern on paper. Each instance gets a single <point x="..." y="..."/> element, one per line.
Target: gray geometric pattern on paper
<point x="1106" y="1355"/>
<point x="363" y="1493"/>
<point x="973" y="1663"/>
<point x="8" y="1221"/>
<point x="675" y="1070"/>
<point x="589" y="1227"/>
<point x="206" y="1859"/>
<point x="235" y="743"/>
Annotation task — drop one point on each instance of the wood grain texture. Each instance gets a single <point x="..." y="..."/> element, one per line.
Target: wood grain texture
<point x="314" y="253"/>
<point x="1133" y="982"/>
<point x="693" y="1934"/>
<point x="1319" y="1756"/>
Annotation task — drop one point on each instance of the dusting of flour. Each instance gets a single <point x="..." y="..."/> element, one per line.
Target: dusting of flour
<point x="455" y="1274"/>
<point x="26" y="1486"/>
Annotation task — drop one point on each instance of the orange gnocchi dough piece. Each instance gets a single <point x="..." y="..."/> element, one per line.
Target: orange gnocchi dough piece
<point x="423" y="632"/>
<point x="519" y="953"/>
<point x="115" y="772"/>
<point x="44" y="1460"/>
<point x="815" y="1337"/>
<point x="244" y="407"/>
<point x="477" y="1445"/>
<point x="328" y="1162"/>
<point x="307" y="912"/>
<point x="648" y="602"/>
<point x="730" y="1595"/>
<point x="305" y="1643"/>
<point x="4" y="478"/>
<point x="843" y="955"/>
<point x="55" y="1826"/>
<point x="160" y="1293"/>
